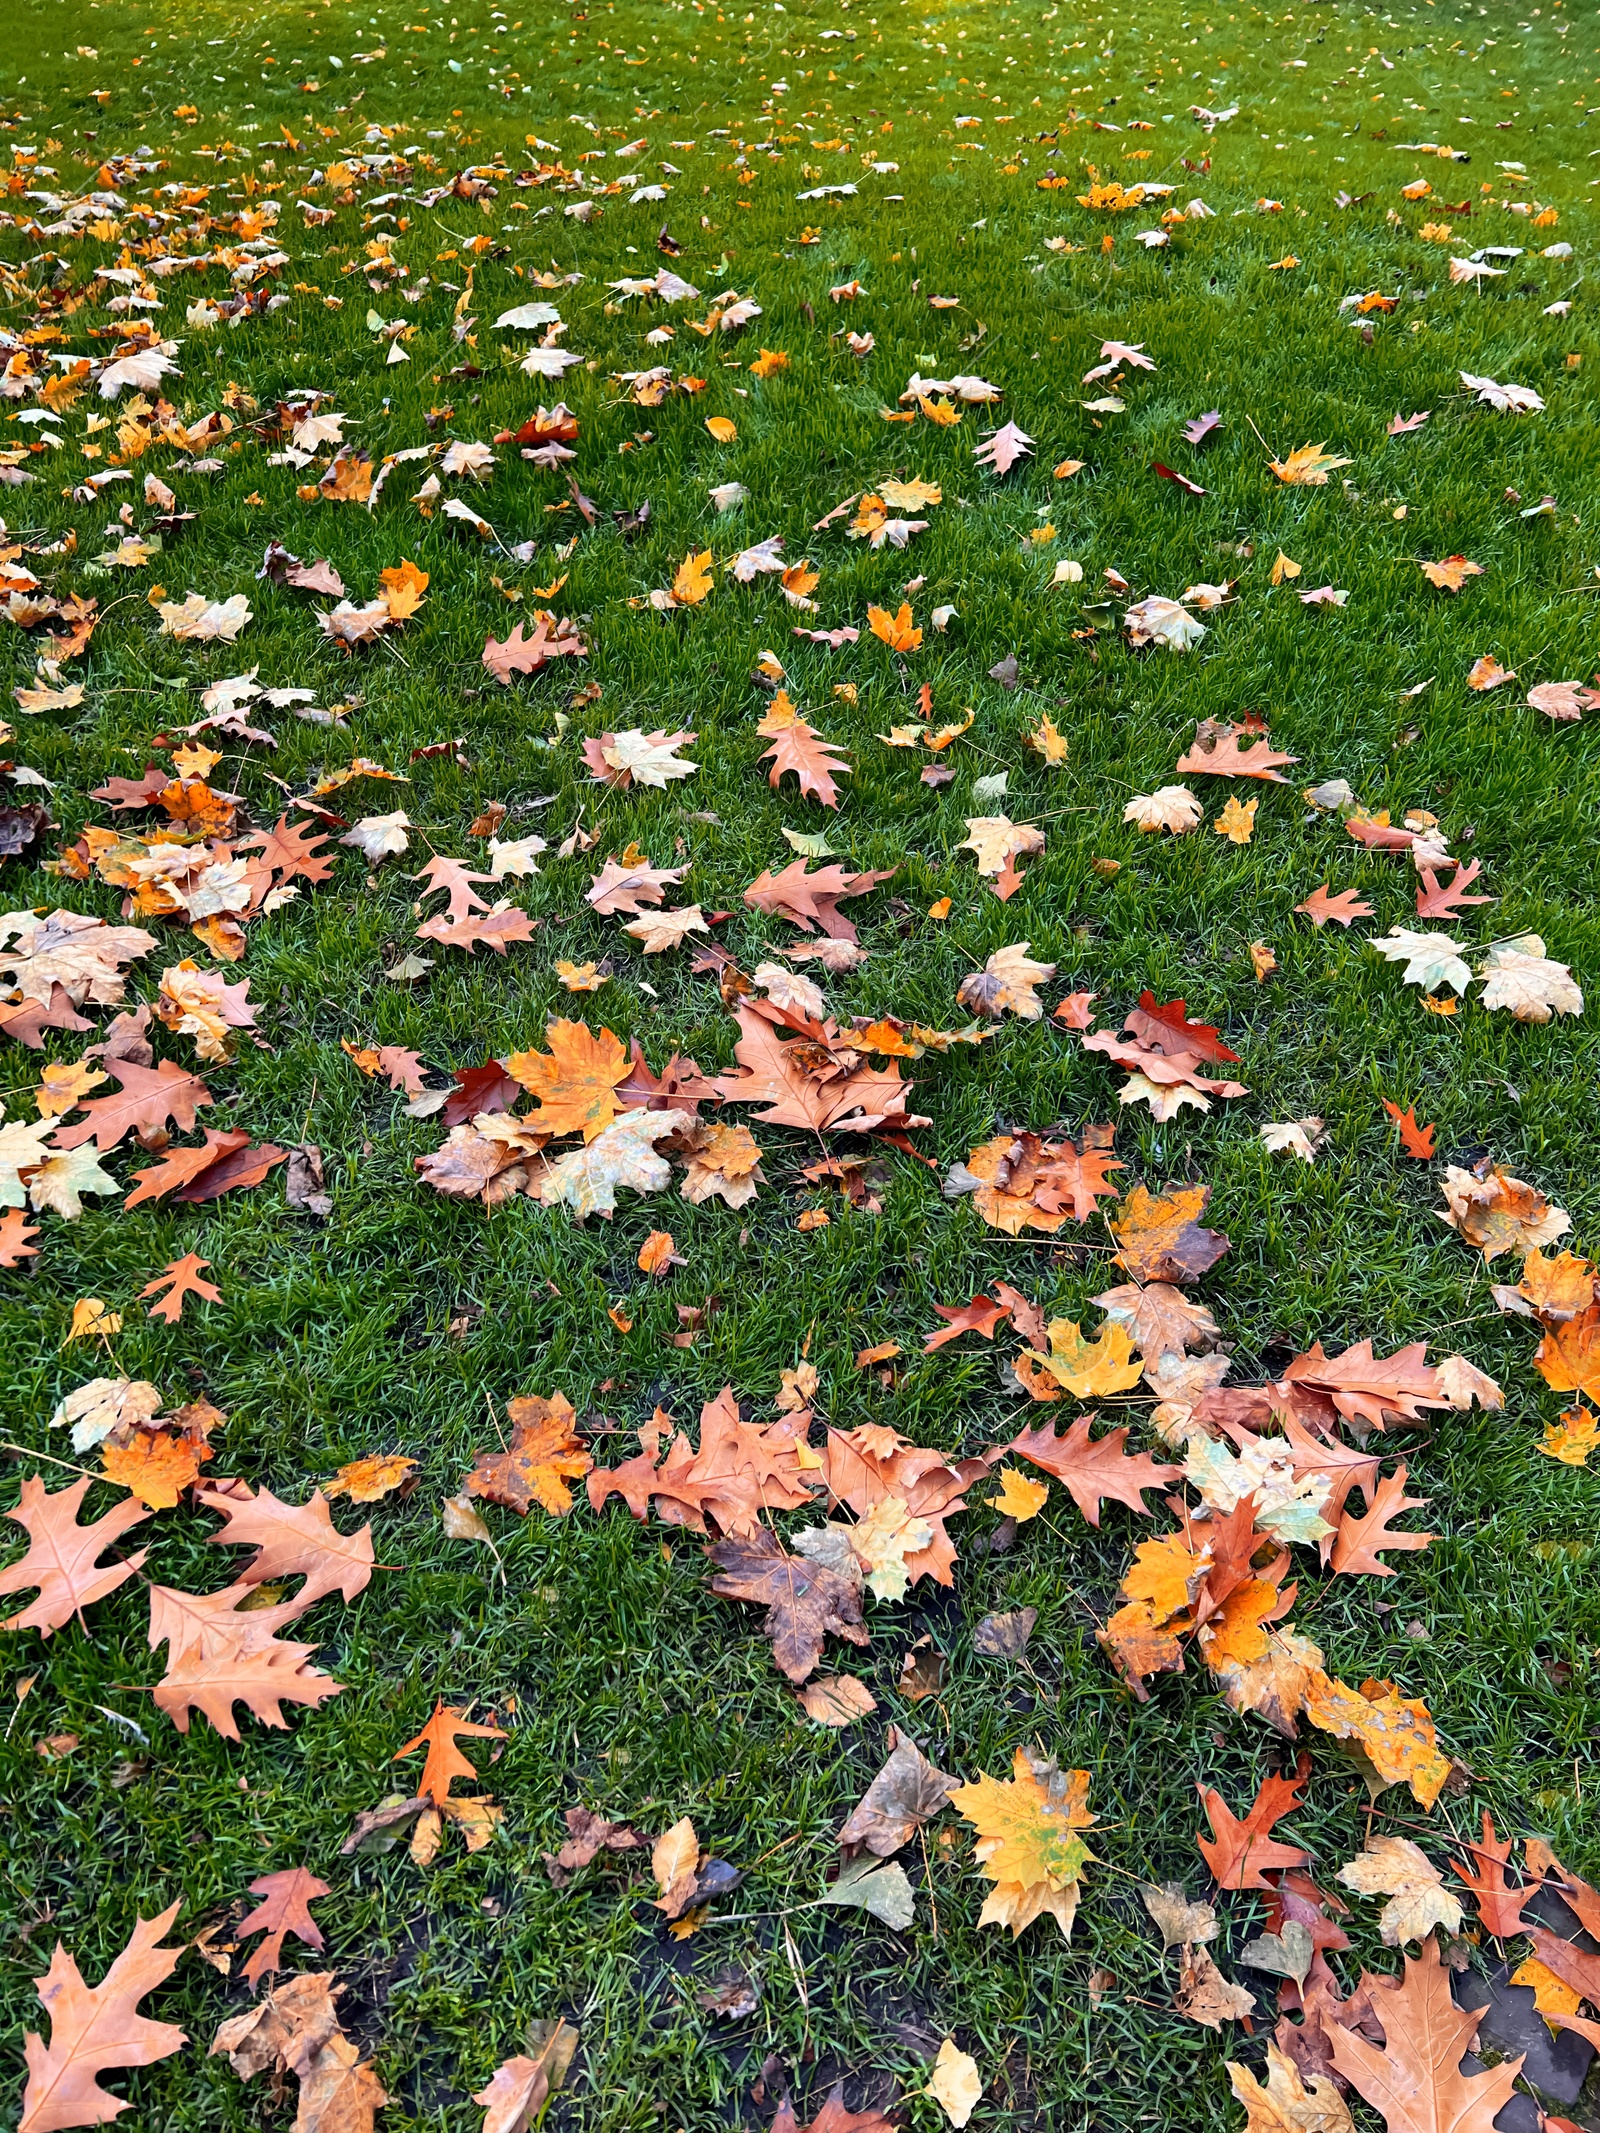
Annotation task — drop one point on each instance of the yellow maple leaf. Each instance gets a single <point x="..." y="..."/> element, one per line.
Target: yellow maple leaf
<point x="403" y="588"/>
<point x="940" y="412"/>
<point x="769" y="363"/>
<point x="1029" y="1842"/>
<point x="1090" y="1369"/>
<point x="896" y="631"/>
<point x="1237" y="822"/>
<point x="366" y="1480"/>
<point x="1165" y="1575"/>
<point x="1394" y="1733"/>
<point x="1047" y="740"/>
<point x="1308" y="466"/>
<point x="575" y="1081"/>
<point x="1021" y="1497"/>
<point x="692" y="581"/>
<point x="1573" y="1438"/>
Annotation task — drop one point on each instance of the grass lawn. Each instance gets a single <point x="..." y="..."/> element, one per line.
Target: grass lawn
<point x="404" y="1321"/>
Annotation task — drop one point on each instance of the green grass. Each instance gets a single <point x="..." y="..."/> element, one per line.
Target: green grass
<point x="393" y="1325"/>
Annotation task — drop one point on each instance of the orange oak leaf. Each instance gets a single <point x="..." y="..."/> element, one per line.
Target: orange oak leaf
<point x="284" y="1909"/>
<point x="812" y="900"/>
<point x="1438" y="899"/>
<point x="1236" y="753"/>
<point x="182" y="1166"/>
<point x="148" y="1097"/>
<point x="292" y="1540"/>
<point x="1368" y="1388"/>
<point x="1241" y="1854"/>
<point x="545" y="1455"/>
<point x="1166" y="1027"/>
<point x="15" y="1230"/>
<point x="1416" y="1140"/>
<point x="575" y="1082"/>
<point x="263" y="1680"/>
<point x="1357" y="1541"/>
<point x="1499" y="1903"/>
<point x="740" y="1471"/>
<point x="1416" y="2079"/>
<point x="290" y="850"/>
<point x="1094" y="1469"/>
<point x="61" y="1563"/>
<point x="445" y="1760"/>
<point x="1319" y="906"/>
<point x="181" y="1279"/>
<point x="982" y="1315"/>
<point x="814" y="761"/>
<point x="95" y="2028"/>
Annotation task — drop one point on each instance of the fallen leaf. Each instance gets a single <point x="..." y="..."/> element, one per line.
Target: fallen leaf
<point x="95" y="2028"/>
<point x="956" y="2086"/>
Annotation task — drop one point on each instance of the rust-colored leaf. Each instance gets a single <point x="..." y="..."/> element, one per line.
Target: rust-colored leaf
<point x="545" y="1454"/>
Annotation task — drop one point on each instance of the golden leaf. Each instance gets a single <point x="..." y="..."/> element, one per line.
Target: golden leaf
<point x="1021" y="1497"/>
<point x="575" y="1081"/>
<point x="1090" y="1369"/>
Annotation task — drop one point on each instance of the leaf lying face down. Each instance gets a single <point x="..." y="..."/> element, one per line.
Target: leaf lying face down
<point x="805" y="1601"/>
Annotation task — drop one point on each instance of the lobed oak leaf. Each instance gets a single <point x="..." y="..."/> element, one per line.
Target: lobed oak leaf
<point x="1346" y="905"/>
<point x="96" y="2028"/>
<point x="1236" y="752"/>
<point x="61" y="1559"/>
<point x="1357" y="1541"/>
<point x="1417" y="1140"/>
<point x="1499" y="1905"/>
<point x="180" y="1278"/>
<point x="445" y="1761"/>
<point x="1241" y="1853"/>
<point x="292" y="1540"/>
<point x="1002" y="448"/>
<point x="814" y="761"/>
<point x="284" y="1908"/>
<point x="1562" y="699"/>
<point x="147" y="1099"/>
<point x="263" y="1680"/>
<point x="1093" y="1470"/>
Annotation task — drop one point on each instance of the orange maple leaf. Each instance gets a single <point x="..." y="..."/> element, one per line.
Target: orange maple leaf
<point x="575" y="1081"/>
<point x="896" y="631"/>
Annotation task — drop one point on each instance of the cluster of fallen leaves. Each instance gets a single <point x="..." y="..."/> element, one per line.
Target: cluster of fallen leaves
<point x="810" y="1533"/>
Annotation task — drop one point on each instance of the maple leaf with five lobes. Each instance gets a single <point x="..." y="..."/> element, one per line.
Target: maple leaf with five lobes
<point x="805" y="1600"/>
<point x="996" y="842"/>
<point x="1170" y="807"/>
<point x="1399" y="1869"/>
<point x="1432" y="960"/>
<point x="1030" y="1842"/>
<point x="1518" y="975"/>
<point x="638" y="758"/>
<point x="1287" y="2104"/>
<point x="575" y="1081"/>
<point x="692" y="581"/>
<point x="60" y="1179"/>
<point x="1450" y="575"/>
<point x="1090" y="1369"/>
<point x="94" y="2029"/>
<point x="897" y="631"/>
<point x="1308" y="466"/>
<point x="588" y="1179"/>
<point x="1006" y="983"/>
<point x="545" y="1454"/>
<point x="659" y="931"/>
<point x="1157" y="620"/>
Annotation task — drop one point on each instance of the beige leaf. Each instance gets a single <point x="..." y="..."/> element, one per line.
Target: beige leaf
<point x="1397" y="1868"/>
<point x="1170" y="807"/>
<point x="995" y="841"/>
<point x="1286" y="2104"/>
<point x="675" y="1854"/>
<point x="1301" y="1137"/>
<point x="1006" y="983"/>
<point x="837" y="1700"/>
<point x="956" y="2084"/>
<point x="661" y="930"/>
